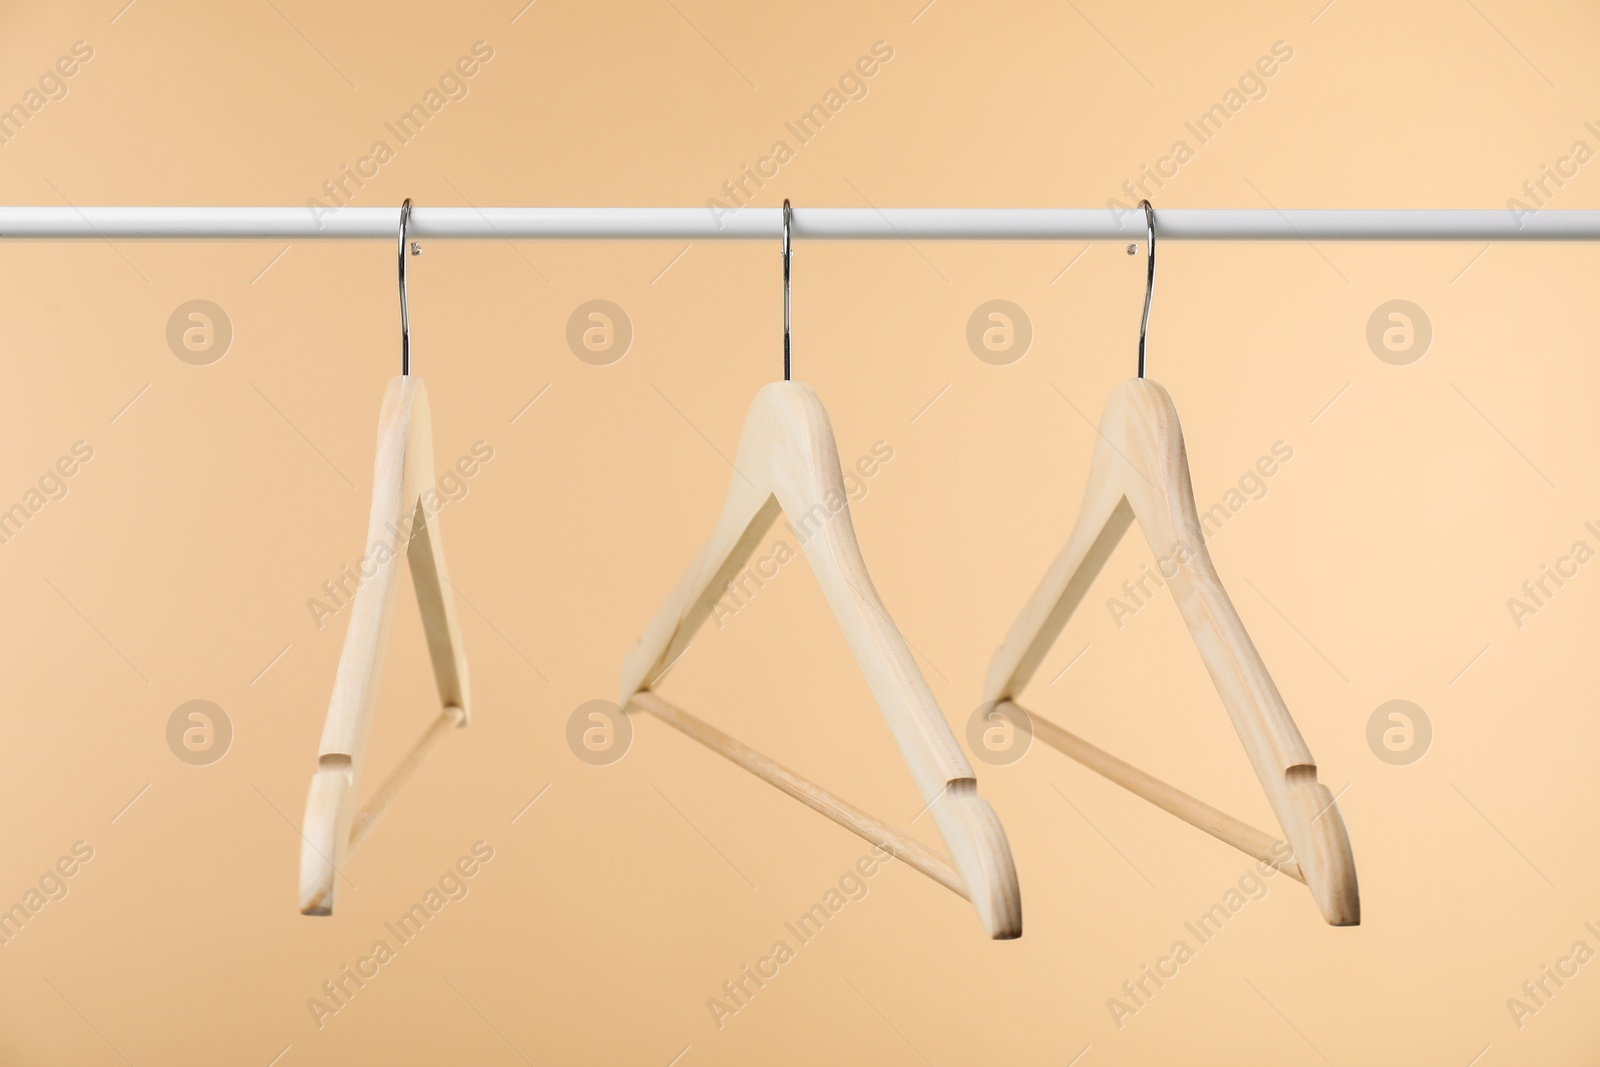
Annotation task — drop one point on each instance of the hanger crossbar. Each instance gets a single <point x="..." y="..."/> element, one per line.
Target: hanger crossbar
<point x="1257" y="844"/>
<point x="367" y="818"/>
<point x="912" y="852"/>
<point x="809" y="224"/>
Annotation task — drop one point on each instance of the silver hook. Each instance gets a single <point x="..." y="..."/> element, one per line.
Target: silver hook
<point x="1149" y="276"/>
<point x="788" y="222"/>
<point x="405" y="311"/>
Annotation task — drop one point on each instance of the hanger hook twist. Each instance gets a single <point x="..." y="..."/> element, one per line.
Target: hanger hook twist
<point x="1149" y="276"/>
<point x="788" y="251"/>
<point x="405" y="310"/>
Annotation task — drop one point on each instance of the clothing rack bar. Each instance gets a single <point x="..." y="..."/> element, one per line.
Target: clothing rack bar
<point x="815" y="223"/>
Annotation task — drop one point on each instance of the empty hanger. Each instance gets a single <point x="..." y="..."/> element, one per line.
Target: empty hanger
<point x="1140" y="471"/>
<point x="399" y="525"/>
<point x="788" y="463"/>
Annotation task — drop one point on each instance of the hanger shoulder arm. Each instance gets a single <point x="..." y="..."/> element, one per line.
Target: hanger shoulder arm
<point x="1166" y="510"/>
<point x="1165" y="507"/>
<point x="809" y="484"/>
<point x="1306" y="809"/>
<point x="372" y="607"/>
<point x="1103" y="519"/>
<point x="425" y="552"/>
<point x="747" y="514"/>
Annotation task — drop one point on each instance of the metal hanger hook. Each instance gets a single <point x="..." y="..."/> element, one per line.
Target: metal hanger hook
<point x="1149" y="276"/>
<point x="788" y="253"/>
<point x="405" y="310"/>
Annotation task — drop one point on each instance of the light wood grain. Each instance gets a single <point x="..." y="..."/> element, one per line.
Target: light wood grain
<point x="407" y="530"/>
<point x="788" y="463"/>
<point x="1140" y="471"/>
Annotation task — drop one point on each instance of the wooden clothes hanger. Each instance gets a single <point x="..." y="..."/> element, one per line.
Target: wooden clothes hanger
<point x="399" y="525"/>
<point x="1140" y="471"/>
<point x="788" y="462"/>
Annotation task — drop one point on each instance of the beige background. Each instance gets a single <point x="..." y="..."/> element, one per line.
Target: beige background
<point x="1377" y="567"/>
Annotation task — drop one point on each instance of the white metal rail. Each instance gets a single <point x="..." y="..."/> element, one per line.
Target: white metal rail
<point x="815" y="223"/>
